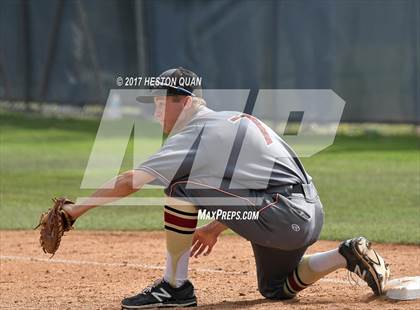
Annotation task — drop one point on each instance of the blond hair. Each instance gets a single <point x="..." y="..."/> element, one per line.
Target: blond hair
<point x="198" y="101"/>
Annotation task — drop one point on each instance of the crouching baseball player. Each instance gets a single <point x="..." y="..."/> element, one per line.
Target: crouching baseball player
<point x="263" y="175"/>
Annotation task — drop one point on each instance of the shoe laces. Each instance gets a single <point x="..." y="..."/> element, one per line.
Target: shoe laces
<point x="149" y="288"/>
<point x="352" y="281"/>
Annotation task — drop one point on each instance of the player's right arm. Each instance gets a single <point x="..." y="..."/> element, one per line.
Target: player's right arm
<point x="121" y="186"/>
<point x="205" y="237"/>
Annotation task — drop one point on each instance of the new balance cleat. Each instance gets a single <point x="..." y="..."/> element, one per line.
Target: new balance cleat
<point x="366" y="263"/>
<point x="160" y="295"/>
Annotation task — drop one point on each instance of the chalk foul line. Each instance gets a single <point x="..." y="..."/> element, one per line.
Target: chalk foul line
<point x="104" y="264"/>
<point x="131" y="265"/>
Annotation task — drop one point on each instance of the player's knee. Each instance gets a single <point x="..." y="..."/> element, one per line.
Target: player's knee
<point x="276" y="295"/>
<point x="274" y="292"/>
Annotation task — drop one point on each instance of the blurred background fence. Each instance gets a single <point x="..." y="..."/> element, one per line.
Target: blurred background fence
<point x="71" y="52"/>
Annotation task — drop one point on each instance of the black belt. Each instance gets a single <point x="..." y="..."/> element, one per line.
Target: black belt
<point x="297" y="189"/>
<point x="287" y="189"/>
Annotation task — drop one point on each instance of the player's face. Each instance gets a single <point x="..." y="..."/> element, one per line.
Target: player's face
<point x="167" y="111"/>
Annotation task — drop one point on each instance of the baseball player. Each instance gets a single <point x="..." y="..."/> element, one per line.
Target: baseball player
<point x="263" y="175"/>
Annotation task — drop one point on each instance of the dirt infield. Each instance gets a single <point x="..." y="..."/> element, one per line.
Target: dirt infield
<point x="95" y="270"/>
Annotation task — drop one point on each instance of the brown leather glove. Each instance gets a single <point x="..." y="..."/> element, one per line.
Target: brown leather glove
<point x="53" y="224"/>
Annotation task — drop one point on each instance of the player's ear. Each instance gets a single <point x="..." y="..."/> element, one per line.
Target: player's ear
<point x="188" y="102"/>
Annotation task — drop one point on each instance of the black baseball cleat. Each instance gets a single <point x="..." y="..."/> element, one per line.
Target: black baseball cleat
<point x="366" y="263"/>
<point x="161" y="295"/>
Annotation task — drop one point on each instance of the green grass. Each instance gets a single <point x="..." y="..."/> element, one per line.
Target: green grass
<point x="369" y="184"/>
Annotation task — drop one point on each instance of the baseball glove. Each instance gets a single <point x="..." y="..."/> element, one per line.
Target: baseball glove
<point x="53" y="224"/>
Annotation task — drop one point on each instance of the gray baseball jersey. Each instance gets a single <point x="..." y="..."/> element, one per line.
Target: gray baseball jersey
<point x="216" y="147"/>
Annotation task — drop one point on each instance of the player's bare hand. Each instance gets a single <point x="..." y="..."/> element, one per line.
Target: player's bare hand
<point x="205" y="238"/>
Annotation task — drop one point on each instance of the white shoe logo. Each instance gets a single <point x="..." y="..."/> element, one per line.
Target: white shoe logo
<point x="359" y="272"/>
<point x="158" y="295"/>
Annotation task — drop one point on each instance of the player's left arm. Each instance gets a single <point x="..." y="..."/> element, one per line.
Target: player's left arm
<point x="121" y="186"/>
